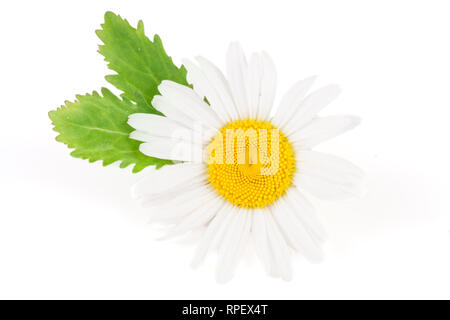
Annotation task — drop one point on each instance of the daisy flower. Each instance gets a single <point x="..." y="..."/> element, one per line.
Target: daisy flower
<point x="238" y="171"/>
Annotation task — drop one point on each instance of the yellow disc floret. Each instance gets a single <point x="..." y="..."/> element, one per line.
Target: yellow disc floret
<point x="251" y="163"/>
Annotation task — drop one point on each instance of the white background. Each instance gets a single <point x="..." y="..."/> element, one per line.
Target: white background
<point x="69" y="229"/>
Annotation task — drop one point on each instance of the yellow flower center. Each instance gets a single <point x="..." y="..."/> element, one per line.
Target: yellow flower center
<point x="251" y="163"/>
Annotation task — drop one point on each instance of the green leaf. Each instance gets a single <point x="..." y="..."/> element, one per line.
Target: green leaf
<point x="140" y="64"/>
<point x="96" y="127"/>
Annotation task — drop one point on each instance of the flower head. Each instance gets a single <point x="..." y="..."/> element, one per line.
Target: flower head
<point x="241" y="171"/>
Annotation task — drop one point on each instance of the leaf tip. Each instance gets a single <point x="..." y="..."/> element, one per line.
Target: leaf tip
<point x="140" y="26"/>
<point x="51" y="114"/>
<point x="109" y="15"/>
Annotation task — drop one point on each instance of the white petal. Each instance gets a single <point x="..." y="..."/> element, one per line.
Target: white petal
<point x="279" y="249"/>
<point x="253" y="84"/>
<point x="198" y="217"/>
<point x="233" y="244"/>
<point x="171" y="149"/>
<point x="166" y="178"/>
<point x="141" y="136"/>
<point x="322" y="129"/>
<point x="221" y="232"/>
<point x="261" y="85"/>
<point x="305" y="212"/>
<point x="171" y="110"/>
<point x="167" y="197"/>
<point x="201" y="132"/>
<point x="205" y="88"/>
<point x="327" y="176"/>
<point x="180" y="194"/>
<point x="213" y="234"/>
<point x="260" y="240"/>
<point x="236" y="70"/>
<point x="291" y="100"/>
<point x="268" y="87"/>
<point x="218" y="81"/>
<point x="310" y="106"/>
<point x="183" y="204"/>
<point x="294" y="231"/>
<point x="189" y="103"/>
<point x="150" y="125"/>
